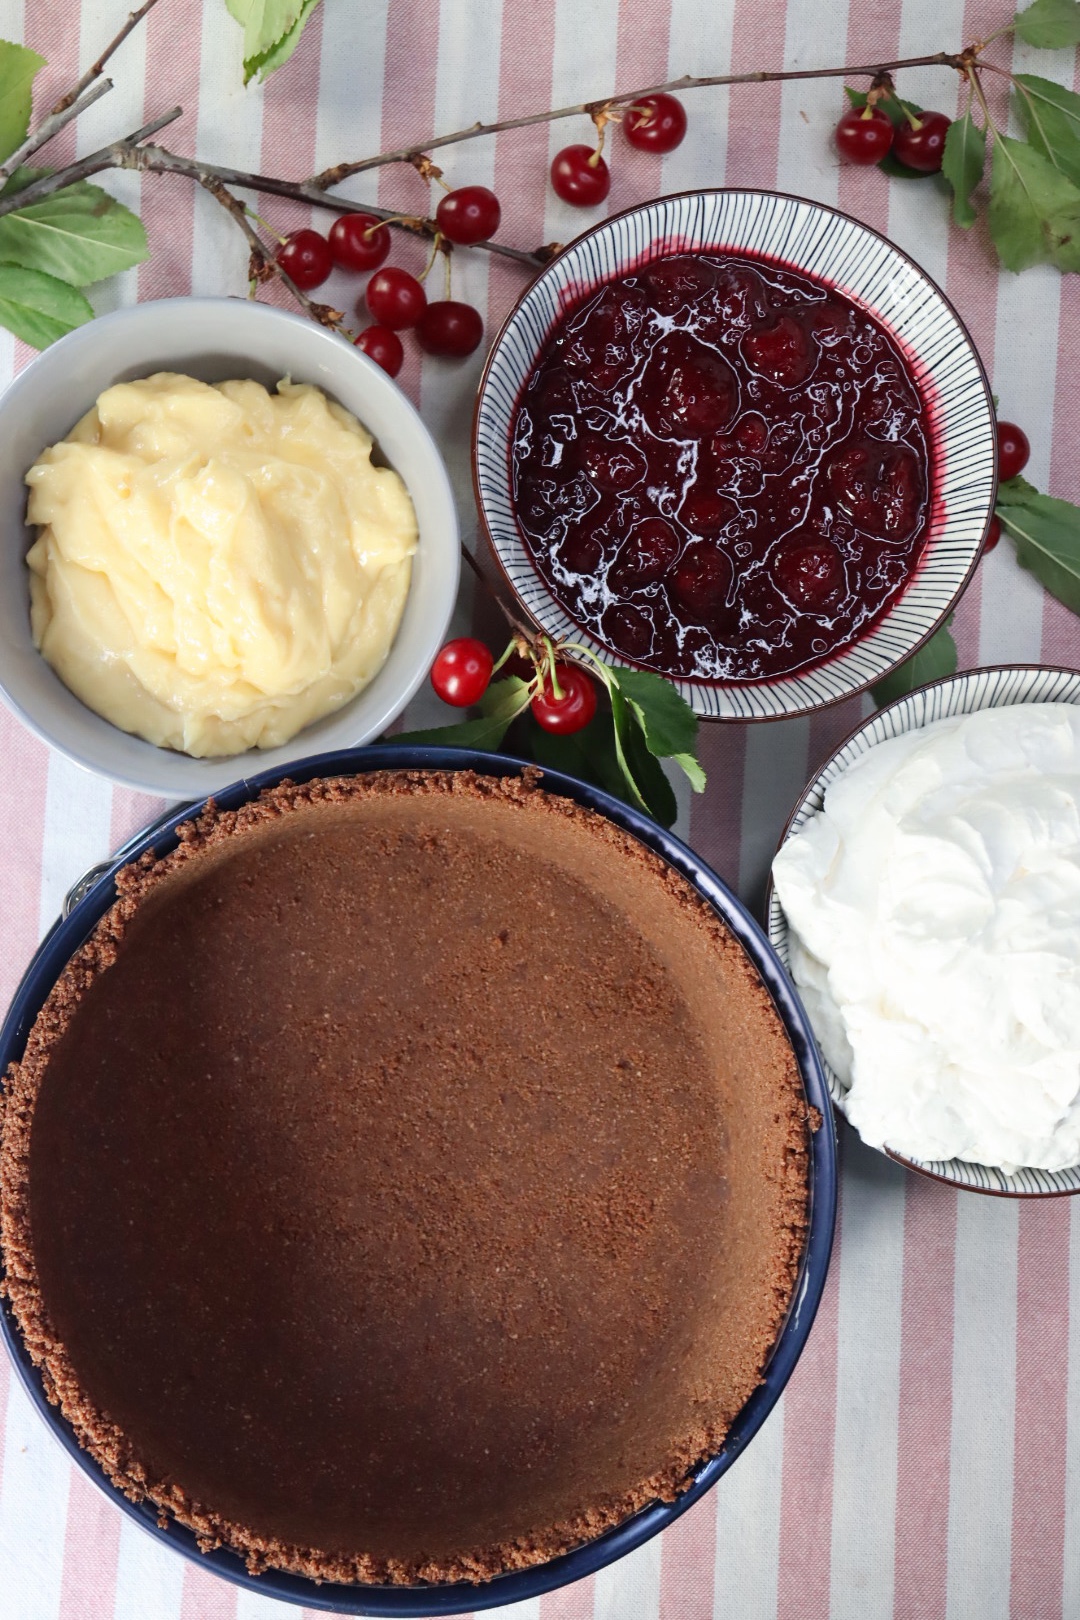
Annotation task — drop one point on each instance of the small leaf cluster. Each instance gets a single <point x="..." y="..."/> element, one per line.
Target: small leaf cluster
<point x="272" y="30"/>
<point x="644" y="721"/>
<point x="51" y="249"/>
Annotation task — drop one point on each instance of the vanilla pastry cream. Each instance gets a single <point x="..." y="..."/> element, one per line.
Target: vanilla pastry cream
<point x="217" y="566"/>
<point x="934" y="906"/>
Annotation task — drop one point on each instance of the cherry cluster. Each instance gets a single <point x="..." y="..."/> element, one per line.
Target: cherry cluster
<point x="394" y="300"/>
<point x="580" y="174"/>
<point x="564" y="700"/>
<point x="867" y="135"/>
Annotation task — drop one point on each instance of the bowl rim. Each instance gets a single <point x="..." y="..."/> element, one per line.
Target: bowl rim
<point x="777" y="928"/>
<point x="425" y="1601"/>
<point x="825" y="208"/>
<point x="225" y="768"/>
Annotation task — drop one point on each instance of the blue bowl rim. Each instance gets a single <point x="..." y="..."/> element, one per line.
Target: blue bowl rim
<point x="68" y="933"/>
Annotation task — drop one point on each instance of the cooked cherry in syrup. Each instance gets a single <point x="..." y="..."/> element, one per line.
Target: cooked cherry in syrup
<point x="720" y="468"/>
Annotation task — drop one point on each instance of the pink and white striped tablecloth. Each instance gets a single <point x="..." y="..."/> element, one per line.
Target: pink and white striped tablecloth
<point x="925" y="1459"/>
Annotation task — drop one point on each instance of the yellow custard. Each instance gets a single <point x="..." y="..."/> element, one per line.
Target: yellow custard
<point x="217" y="566"/>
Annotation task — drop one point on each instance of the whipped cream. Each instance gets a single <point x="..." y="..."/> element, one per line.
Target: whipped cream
<point x="934" y="907"/>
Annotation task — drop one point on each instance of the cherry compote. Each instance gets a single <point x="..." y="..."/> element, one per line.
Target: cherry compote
<point x="720" y="468"/>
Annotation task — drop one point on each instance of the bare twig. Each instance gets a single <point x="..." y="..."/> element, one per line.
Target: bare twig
<point x="52" y="125"/>
<point x="264" y="264"/>
<point x="97" y="68"/>
<point x="119" y="155"/>
<point x="590" y="109"/>
<point x="162" y="161"/>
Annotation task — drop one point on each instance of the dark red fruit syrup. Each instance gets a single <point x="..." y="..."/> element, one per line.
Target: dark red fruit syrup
<point x="720" y="468"/>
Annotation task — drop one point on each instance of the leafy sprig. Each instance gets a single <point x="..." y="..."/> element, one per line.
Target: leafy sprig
<point x="272" y="30"/>
<point x="51" y="249"/>
<point x="645" y="720"/>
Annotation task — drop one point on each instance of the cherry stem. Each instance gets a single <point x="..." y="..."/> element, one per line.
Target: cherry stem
<point x="406" y="154"/>
<point x="267" y="227"/>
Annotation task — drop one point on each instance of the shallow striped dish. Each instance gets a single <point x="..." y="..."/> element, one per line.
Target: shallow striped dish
<point x="994" y="688"/>
<point x="857" y="261"/>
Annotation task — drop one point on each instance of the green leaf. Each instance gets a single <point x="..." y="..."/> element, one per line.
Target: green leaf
<point x="80" y="234"/>
<point x="272" y="30"/>
<point x="649" y="788"/>
<point x="485" y="733"/>
<point x="502" y="703"/>
<point x="1015" y="492"/>
<point x="689" y="764"/>
<point x="589" y="753"/>
<point x="1051" y="118"/>
<point x="932" y="662"/>
<point x="1049" y="24"/>
<point x="17" y="69"/>
<point x="1047" y="536"/>
<point x="22" y="177"/>
<point x="962" y="165"/>
<point x="668" y="721"/>
<point x="506" y="697"/>
<point x="39" y="308"/>
<point x="1034" y="209"/>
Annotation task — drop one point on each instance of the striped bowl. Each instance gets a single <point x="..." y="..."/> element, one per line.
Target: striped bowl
<point x="993" y="688"/>
<point x="836" y="250"/>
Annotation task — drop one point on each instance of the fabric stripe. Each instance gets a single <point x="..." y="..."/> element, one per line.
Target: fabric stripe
<point x="91" y="1550"/>
<point x="984" y="1402"/>
<point x="570" y="1602"/>
<point x="1042" y="1385"/>
<point x="150" y="1577"/>
<point x="688" y="1564"/>
<point x="33" y="1511"/>
<point x="205" y="1597"/>
<point x="925" y="1410"/>
<point x="867" y="1386"/>
<point x="630" y="1586"/>
<point x="748" y="1500"/>
<point x="806" y="1500"/>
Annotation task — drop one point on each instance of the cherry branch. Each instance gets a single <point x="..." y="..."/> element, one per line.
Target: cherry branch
<point x="161" y="161"/>
<point x="264" y="265"/>
<point x="96" y="69"/>
<point x="118" y="155"/>
<point x="52" y="125"/>
<point x="82" y="95"/>
<point x="591" y="109"/>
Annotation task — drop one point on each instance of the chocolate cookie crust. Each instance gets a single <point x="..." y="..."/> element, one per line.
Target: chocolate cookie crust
<point x="406" y="1181"/>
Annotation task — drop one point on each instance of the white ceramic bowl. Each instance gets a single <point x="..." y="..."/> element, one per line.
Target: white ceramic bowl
<point x="860" y="263"/>
<point x="992" y="688"/>
<point x="213" y="339"/>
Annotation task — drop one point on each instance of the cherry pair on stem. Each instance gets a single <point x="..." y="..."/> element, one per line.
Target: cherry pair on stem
<point x="580" y="174"/>
<point x="563" y="700"/>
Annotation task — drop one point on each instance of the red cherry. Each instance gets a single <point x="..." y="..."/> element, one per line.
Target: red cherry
<point x="382" y="346"/>
<point x="447" y="327"/>
<point x="922" y="148"/>
<point x="864" y="135"/>
<point x="580" y="176"/>
<point x="810" y="573"/>
<point x="394" y="298"/>
<point x="469" y="214"/>
<point x="305" y="258"/>
<point x="1013" y="450"/>
<point x="993" y="535"/>
<point x="461" y="671"/>
<point x="359" y="242"/>
<point x="655" y="123"/>
<point x="573" y="711"/>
